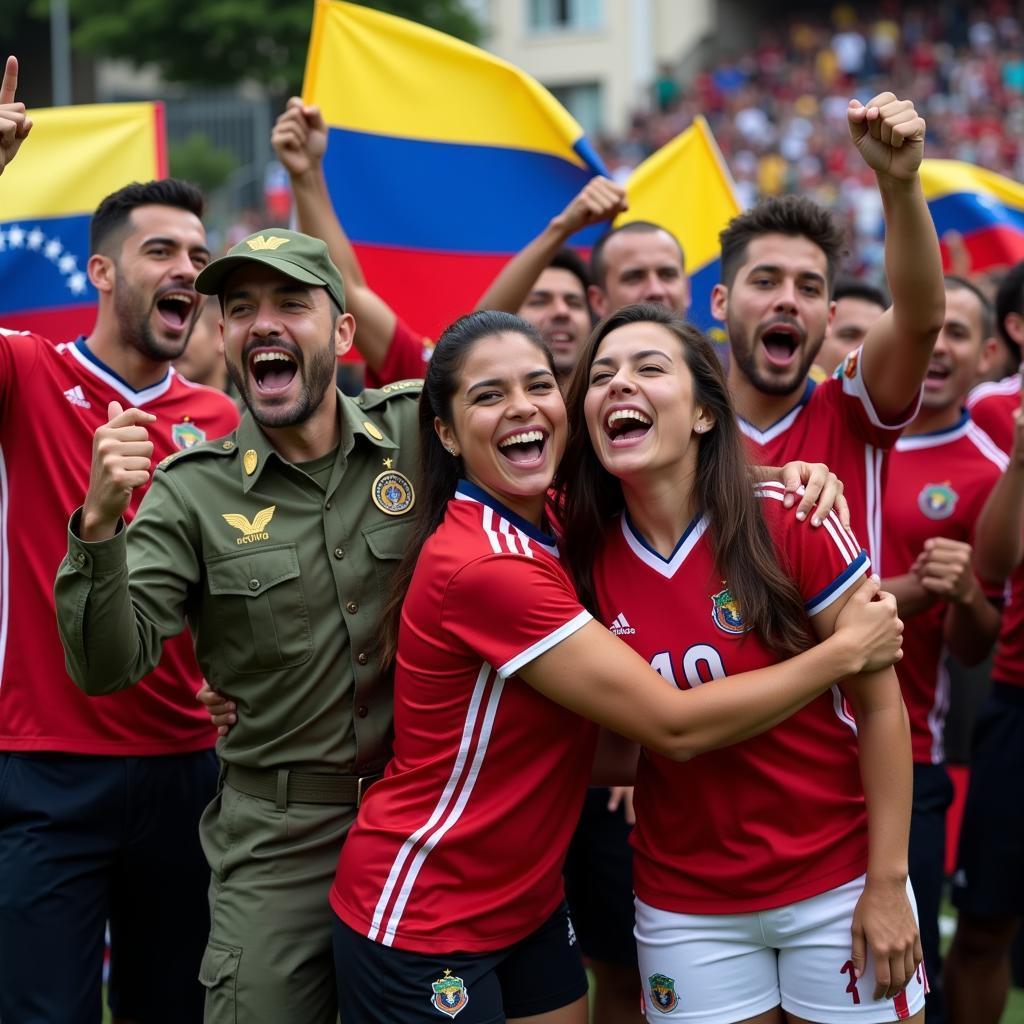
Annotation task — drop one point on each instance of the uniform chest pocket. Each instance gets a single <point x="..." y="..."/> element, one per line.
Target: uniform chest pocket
<point x="386" y="542"/>
<point x="264" y="622"/>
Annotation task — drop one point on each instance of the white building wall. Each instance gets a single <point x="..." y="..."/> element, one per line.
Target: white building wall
<point x="621" y="55"/>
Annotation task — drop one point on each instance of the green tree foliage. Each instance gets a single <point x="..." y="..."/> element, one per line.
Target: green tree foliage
<point x="222" y="42"/>
<point x="198" y="160"/>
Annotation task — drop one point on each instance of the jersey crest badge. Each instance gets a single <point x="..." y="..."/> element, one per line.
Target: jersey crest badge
<point x="392" y="493"/>
<point x="850" y="365"/>
<point x="254" y="531"/>
<point x="663" y="992"/>
<point x="937" y="501"/>
<point x="450" y="996"/>
<point x="726" y="613"/>
<point x="186" y="434"/>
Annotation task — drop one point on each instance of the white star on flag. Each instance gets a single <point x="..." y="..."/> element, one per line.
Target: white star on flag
<point x="53" y="249"/>
<point x="76" y="282"/>
<point x="16" y="236"/>
<point x="67" y="263"/>
<point x="35" y="239"/>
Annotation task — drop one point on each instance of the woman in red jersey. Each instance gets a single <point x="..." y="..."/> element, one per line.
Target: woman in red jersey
<point x="449" y="889"/>
<point x="751" y="863"/>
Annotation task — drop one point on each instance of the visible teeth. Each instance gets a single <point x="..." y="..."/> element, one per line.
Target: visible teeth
<point x="177" y="297"/>
<point x="265" y="357"/>
<point x="527" y="438"/>
<point x="628" y="414"/>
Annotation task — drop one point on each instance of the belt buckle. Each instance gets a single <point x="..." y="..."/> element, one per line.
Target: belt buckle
<point x="363" y="783"/>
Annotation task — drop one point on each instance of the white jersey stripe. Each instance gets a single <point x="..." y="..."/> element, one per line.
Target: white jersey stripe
<point x="843" y="538"/>
<point x="509" y="537"/>
<point x="476" y="699"/>
<point x="988" y="447"/>
<point x="854" y="573"/>
<point x="839" y="707"/>
<point x="488" y="524"/>
<point x="668" y="569"/>
<point x="524" y="542"/>
<point x="512" y="666"/>
<point x="1007" y="386"/>
<point x="5" y="569"/>
<point x="453" y="816"/>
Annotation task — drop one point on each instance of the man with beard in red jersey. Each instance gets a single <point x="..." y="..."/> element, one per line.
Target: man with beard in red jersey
<point x="779" y="262"/>
<point x="99" y="800"/>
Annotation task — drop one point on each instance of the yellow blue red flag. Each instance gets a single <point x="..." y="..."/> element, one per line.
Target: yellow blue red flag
<point x="686" y="188"/>
<point x="984" y="208"/>
<point x="442" y="160"/>
<point x="74" y="157"/>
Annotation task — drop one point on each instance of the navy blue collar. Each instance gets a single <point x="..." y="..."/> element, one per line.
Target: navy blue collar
<point x="88" y="354"/>
<point x="471" y="490"/>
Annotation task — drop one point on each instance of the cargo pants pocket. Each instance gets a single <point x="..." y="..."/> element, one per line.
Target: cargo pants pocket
<point x="218" y="974"/>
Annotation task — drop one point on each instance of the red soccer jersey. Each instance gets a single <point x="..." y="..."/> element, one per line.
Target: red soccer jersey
<point x="52" y="398"/>
<point x="406" y="359"/>
<point x="836" y="423"/>
<point x="774" y="819"/>
<point x="460" y="846"/>
<point x="938" y="484"/>
<point x="992" y="407"/>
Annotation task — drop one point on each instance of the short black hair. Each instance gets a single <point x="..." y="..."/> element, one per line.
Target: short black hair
<point x="1010" y="299"/>
<point x="598" y="270"/>
<point x="569" y="259"/>
<point x="847" y="287"/>
<point x="988" y="326"/>
<point x="112" y="214"/>
<point x="796" y="216"/>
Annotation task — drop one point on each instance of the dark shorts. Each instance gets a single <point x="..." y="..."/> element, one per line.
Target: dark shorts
<point x="379" y="984"/>
<point x="85" y="840"/>
<point x="989" y="880"/>
<point x="599" y="882"/>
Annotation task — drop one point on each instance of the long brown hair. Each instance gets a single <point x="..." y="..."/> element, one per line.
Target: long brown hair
<point x="741" y="544"/>
<point x="439" y="471"/>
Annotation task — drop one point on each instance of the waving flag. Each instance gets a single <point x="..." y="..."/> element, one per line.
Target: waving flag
<point x="686" y="188"/>
<point x="984" y="208"/>
<point x="74" y="157"/>
<point x="442" y="160"/>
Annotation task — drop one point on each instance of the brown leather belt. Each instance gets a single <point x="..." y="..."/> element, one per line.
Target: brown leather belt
<point x="285" y="786"/>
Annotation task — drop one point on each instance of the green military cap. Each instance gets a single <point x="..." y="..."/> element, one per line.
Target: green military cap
<point x="294" y="254"/>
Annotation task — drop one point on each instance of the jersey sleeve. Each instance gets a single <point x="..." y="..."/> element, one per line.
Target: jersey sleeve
<point x="406" y="359"/>
<point x="510" y="609"/>
<point x="824" y="561"/>
<point x="859" y="411"/>
<point x="993" y="412"/>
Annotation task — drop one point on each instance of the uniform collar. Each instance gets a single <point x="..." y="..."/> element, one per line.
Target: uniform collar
<point x="354" y="424"/>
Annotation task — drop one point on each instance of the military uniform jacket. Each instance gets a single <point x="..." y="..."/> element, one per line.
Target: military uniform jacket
<point x="282" y="582"/>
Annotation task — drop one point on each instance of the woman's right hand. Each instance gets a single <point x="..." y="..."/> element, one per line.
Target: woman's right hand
<point x="869" y="621"/>
<point x="220" y="709"/>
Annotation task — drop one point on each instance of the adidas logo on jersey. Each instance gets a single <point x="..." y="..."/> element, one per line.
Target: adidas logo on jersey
<point x="620" y="627"/>
<point x="76" y="396"/>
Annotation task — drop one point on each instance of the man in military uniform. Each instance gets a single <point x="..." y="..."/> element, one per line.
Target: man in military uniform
<point x="276" y="545"/>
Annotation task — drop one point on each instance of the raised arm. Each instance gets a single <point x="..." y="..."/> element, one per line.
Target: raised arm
<point x="889" y="134"/>
<point x="300" y="140"/>
<point x="596" y="675"/>
<point x="599" y="200"/>
<point x="15" y="124"/>
<point x="115" y="607"/>
<point x="883" y="921"/>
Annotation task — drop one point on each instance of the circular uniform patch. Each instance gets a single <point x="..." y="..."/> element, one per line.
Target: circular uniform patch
<point x="392" y="493"/>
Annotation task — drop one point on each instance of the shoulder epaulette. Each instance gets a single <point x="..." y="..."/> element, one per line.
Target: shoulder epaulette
<point x="224" y="446"/>
<point x="373" y="397"/>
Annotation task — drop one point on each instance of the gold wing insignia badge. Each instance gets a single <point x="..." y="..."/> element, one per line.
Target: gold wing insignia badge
<point x="258" y="525"/>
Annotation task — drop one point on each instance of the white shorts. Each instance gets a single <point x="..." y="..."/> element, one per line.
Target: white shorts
<point x="723" y="968"/>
